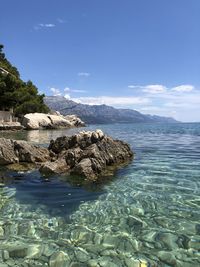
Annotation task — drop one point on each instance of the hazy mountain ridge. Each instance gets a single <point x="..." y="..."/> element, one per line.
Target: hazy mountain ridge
<point x="100" y="113"/>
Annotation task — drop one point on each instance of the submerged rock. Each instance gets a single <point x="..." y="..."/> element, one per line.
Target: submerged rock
<point x="59" y="259"/>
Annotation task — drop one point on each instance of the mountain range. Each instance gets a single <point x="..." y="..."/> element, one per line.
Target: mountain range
<point x="97" y="114"/>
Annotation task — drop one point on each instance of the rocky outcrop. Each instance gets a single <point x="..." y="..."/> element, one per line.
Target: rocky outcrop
<point x="12" y="151"/>
<point x="35" y="121"/>
<point x="89" y="154"/>
<point x="86" y="154"/>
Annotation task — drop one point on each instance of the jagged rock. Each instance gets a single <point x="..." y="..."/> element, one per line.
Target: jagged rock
<point x="84" y="168"/>
<point x="58" y="166"/>
<point x="7" y="153"/>
<point x="90" y="153"/>
<point x="35" y="121"/>
<point x="12" y="151"/>
<point x="87" y="154"/>
<point x="30" y="153"/>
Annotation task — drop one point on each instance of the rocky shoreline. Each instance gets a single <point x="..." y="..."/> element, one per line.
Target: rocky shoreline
<point x="10" y="126"/>
<point x="90" y="155"/>
<point x="37" y="121"/>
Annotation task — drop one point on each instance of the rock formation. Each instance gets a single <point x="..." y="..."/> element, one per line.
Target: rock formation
<point x="86" y="154"/>
<point x="35" y="121"/>
<point x="14" y="151"/>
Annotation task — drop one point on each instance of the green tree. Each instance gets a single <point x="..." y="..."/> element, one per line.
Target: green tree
<point x="22" y="96"/>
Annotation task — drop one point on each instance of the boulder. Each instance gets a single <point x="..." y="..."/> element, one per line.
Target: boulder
<point x="35" y="121"/>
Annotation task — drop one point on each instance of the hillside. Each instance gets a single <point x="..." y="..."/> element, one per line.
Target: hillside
<point x="100" y="113"/>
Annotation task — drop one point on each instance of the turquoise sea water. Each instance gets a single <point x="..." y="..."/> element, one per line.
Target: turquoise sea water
<point x="148" y="214"/>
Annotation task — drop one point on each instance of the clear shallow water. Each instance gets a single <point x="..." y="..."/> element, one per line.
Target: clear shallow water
<point x="149" y="214"/>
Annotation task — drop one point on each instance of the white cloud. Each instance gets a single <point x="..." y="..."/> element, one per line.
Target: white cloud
<point x="67" y="96"/>
<point x="115" y="101"/>
<point x="47" y="25"/>
<point x="67" y="89"/>
<point x="183" y="88"/>
<point x="55" y="91"/>
<point x="133" y="86"/>
<point x="84" y="74"/>
<point x="181" y="101"/>
<point x="154" y="89"/>
<point x="44" y="26"/>
<point x="151" y="89"/>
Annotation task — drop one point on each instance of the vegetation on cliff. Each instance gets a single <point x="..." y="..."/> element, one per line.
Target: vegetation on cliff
<point x="22" y="97"/>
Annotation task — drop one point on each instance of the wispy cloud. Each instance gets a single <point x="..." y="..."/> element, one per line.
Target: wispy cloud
<point x="159" y="88"/>
<point x="151" y="89"/>
<point x="183" y="88"/>
<point x="181" y="101"/>
<point x="61" y="20"/>
<point x="44" y="26"/>
<point x="47" y="25"/>
<point x="154" y="89"/>
<point x="111" y="100"/>
<point x="66" y="91"/>
<point x="132" y="86"/>
<point x="84" y="74"/>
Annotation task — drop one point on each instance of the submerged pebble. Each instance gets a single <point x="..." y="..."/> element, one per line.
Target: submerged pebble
<point x="147" y="217"/>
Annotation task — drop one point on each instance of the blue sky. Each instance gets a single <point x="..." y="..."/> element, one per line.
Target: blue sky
<point x="141" y="54"/>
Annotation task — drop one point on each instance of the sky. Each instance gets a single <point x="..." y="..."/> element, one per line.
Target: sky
<point x="139" y="54"/>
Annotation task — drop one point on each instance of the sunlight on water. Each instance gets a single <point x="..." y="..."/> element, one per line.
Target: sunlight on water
<point x="148" y="215"/>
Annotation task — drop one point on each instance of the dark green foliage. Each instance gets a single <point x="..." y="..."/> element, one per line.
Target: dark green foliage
<point x="22" y="96"/>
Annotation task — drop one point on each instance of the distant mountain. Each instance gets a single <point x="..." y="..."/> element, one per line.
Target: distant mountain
<point x="96" y="114"/>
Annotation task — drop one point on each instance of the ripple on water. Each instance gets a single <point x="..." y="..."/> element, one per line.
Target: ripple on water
<point x="148" y="214"/>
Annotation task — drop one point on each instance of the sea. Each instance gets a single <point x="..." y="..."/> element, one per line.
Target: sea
<point x="146" y="214"/>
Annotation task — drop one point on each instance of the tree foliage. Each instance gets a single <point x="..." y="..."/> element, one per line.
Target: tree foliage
<point x="22" y="96"/>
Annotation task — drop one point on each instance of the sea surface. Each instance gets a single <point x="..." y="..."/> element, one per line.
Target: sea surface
<point x="147" y="214"/>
